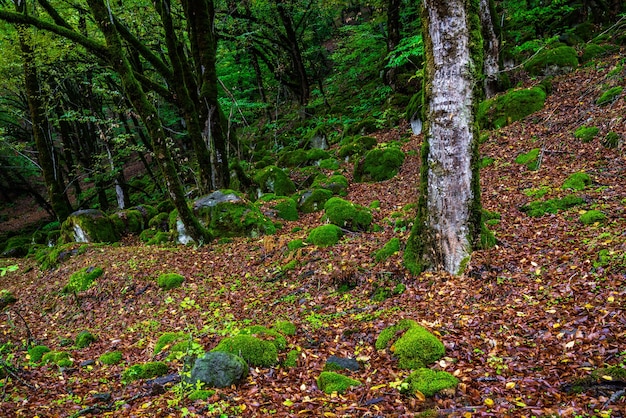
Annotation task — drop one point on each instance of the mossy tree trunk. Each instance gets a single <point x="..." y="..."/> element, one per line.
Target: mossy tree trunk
<point x="492" y="48"/>
<point x="448" y="221"/>
<point x="149" y="117"/>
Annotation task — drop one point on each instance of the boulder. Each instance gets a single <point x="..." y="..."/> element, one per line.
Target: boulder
<point x="90" y="225"/>
<point x="218" y="369"/>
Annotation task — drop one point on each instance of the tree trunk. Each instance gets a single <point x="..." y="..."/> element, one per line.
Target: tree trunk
<point x="448" y="218"/>
<point x="149" y="116"/>
<point x="393" y="36"/>
<point x="492" y="54"/>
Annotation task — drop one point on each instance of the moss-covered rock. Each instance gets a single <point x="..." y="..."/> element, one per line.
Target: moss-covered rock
<point x="267" y="334"/>
<point x="539" y="208"/>
<point x="609" y="96"/>
<point x="338" y="184"/>
<point x="329" y="382"/>
<point x="88" y="225"/>
<point x="313" y="200"/>
<point x="254" y="350"/>
<point x="362" y="127"/>
<point x="144" y="371"/>
<point x="592" y="216"/>
<point x="58" y="358"/>
<point x="428" y="382"/>
<point x="285" y="208"/>
<point x="586" y="133"/>
<point x="218" y="369"/>
<point x="37" y="352"/>
<point x="325" y="235"/>
<point x="167" y="281"/>
<point x="82" y="279"/>
<point x="355" y="145"/>
<point x="154" y="237"/>
<point x="379" y="164"/>
<point x="347" y="215"/>
<point x="509" y="107"/>
<point x="552" y="61"/>
<point x="129" y="221"/>
<point x="285" y="327"/>
<point x="274" y="180"/>
<point x="413" y="344"/>
<point x="84" y="339"/>
<point x="111" y="358"/>
<point x="390" y="248"/>
<point x="16" y="247"/>
<point x="577" y="181"/>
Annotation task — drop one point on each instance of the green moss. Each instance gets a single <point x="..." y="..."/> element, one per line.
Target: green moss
<point x="487" y="237"/>
<point x="597" y="377"/>
<point x="416" y="347"/>
<point x="291" y="359"/>
<point x="200" y="394"/>
<point x="337" y="184"/>
<point x="540" y="208"/>
<point x="167" y="339"/>
<point x="390" y="248"/>
<point x="329" y="382"/>
<point x="287" y="209"/>
<point x="153" y="237"/>
<point x="84" y="339"/>
<point x="255" y="351"/>
<point x="592" y="216"/>
<point x="144" y="371"/>
<point x="564" y="57"/>
<point x="295" y="158"/>
<point x="59" y="358"/>
<point x="82" y="279"/>
<point x="486" y="162"/>
<point x="37" y="352"/>
<point x="111" y="358"/>
<point x="316" y="154"/>
<point x="274" y="180"/>
<point x="379" y="164"/>
<point x="329" y="164"/>
<point x="414" y="108"/>
<point x="267" y="334"/>
<point x="159" y="222"/>
<point x="611" y="140"/>
<point x="313" y="200"/>
<point x="386" y="336"/>
<point x="88" y="226"/>
<point x="347" y="215"/>
<point x="429" y="382"/>
<point x="325" y="235"/>
<point x="609" y="96"/>
<point x="295" y="244"/>
<point x="586" y="133"/>
<point x="592" y="51"/>
<point x="355" y="146"/>
<point x="577" y="181"/>
<point x="16" y="247"/>
<point x="6" y="298"/>
<point x="530" y="159"/>
<point x="129" y="221"/>
<point x="509" y="107"/>
<point x="285" y="327"/>
<point x="167" y="281"/>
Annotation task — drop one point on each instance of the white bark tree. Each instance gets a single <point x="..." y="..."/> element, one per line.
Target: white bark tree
<point x="448" y="222"/>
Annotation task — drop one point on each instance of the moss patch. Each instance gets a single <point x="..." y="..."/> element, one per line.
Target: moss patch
<point x="553" y="61"/>
<point x="413" y="344"/>
<point x="379" y="164"/>
<point x="509" y="107"/>
<point x="577" y="181"/>
<point x="429" y="382"/>
<point x="88" y="226"/>
<point x="313" y="200"/>
<point x="390" y="248"/>
<point x="325" y="235"/>
<point x="529" y="159"/>
<point x="285" y="327"/>
<point x="329" y="382"/>
<point x="273" y="179"/>
<point x="6" y="298"/>
<point x="586" y="133"/>
<point x="347" y="215"/>
<point x="592" y="216"/>
<point x="254" y="350"/>
<point x="144" y="371"/>
<point x="167" y="281"/>
<point x="84" y="339"/>
<point x="609" y="96"/>
<point x="37" y="352"/>
<point x="111" y="358"/>
<point x="540" y="208"/>
<point x="59" y="358"/>
<point x="82" y="279"/>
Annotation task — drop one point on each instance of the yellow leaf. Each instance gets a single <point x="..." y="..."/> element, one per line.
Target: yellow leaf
<point x="288" y="402"/>
<point x="510" y="385"/>
<point x="242" y="407"/>
<point x="556" y="325"/>
<point x="329" y="414"/>
<point x="520" y="404"/>
<point x="467" y="415"/>
<point x="378" y="386"/>
<point x="420" y="396"/>
<point x="607" y="377"/>
<point x="610" y="299"/>
<point x="489" y="402"/>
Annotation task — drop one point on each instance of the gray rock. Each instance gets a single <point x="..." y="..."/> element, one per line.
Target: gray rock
<point x="218" y="369"/>
<point x="337" y="363"/>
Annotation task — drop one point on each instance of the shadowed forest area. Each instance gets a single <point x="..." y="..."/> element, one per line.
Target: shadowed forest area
<point x="286" y="292"/>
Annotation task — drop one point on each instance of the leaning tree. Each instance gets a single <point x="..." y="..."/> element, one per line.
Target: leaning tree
<point x="448" y="221"/>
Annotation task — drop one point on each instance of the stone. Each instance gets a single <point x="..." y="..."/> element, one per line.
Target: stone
<point x="218" y="369"/>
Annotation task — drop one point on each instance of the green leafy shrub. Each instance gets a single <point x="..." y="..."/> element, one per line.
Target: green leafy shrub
<point x="509" y="107"/>
<point x="84" y="339"/>
<point x="144" y="371"/>
<point x="111" y="358"/>
<point x="540" y="208"/>
<point x="255" y="351"/>
<point x="390" y="248"/>
<point x="415" y="347"/>
<point x="37" y="352"/>
<point x="586" y="133"/>
<point x="347" y="215"/>
<point x="329" y="382"/>
<point x="379" y="164"/>
<point x="553" y="61"/>
<point x="429" y="382"/>
<point x="577" y="181"/>
<point x="325" y="235"/>
<point x="592" y="216"/>
<point x="167" y="281"/>
<point x="82" y="279"/>
<point x="609" y="96"/>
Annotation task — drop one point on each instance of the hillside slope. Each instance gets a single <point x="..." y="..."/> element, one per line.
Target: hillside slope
<point x="543" y="308"/>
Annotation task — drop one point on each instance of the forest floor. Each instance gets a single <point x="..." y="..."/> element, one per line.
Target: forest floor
<point x="543" y="308"/>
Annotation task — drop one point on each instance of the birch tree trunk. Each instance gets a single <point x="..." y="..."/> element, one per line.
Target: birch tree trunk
<point x="492" y="49"/>
<point x="448" y="218"/>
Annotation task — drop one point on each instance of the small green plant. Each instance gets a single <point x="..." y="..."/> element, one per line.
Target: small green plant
<point x="611" y="140"/>
<point x="6" y="298"/>
<point x="529" y="159"/>
<point x="200" y="394"/>
<point x="295" y="244"/>
<point x="8" y="269"/>
<point x="586" y="133"/>
<point x="291" y="359"/>
<point x="111" y="358"/>
<point x="167" y="281"/>
<point x="390" y="248"/>
<point x="540" y="208"/>
<point x="609" y="96"/>
<point x="84" y="338"/>
<point x="82" y="279"/>
<point x="285" y="327"/>
<point x="592" y="216"/>
<point x="60" y="358"/>
<point x="329" y="382"/>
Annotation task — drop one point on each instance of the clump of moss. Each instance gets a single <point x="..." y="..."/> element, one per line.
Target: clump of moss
<point x="287" y="209"/>
<point x="200" y="394"/>
<point x="347" y="215"/>
<point x="416" y="347"/>
<point x="552" y="61"/>
<point x="59" y="358"/>
<point x="337" y="184"/>
<point x="144" y="371"/>
<point x="530" y="159"/>
<point x="291" y="359"/>
<point x="429" y="382"/>
<point x="609" y="96"/>
<point x="507" y="108"/>
<point x="329" y="382"/>
<point x="111" y="358"/>
<point x="6" y="298"/>
<point x="84" y="339"/>
<point x="82" y="279"/>
<point x="355" y="145"/>
<point x="254" y="350"/>
<point x="329" y="164"/>
<point x="597" y="377"/>
<point x="274" y="180"/>
<point x="37" y="352"/>
<point x="167" y="339"/>
<point x="379" y="164"/>
<point x="577" y="181"/>
<point x="325" y="235"/>
<point x="592" y="216"/>
<point x="313" y="200"/>
<point x="611" y="140"/>
<point x="295" y="244"/>
<point x="267" y="334"/>
<point x="540" y="208"/>
<point x="285" y="327"/>
<point x="167" y="281"/>
<point x="586" y="133"/>
<point x="390" y="248"/>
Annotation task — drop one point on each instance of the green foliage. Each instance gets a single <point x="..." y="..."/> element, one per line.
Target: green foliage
<point x="347" y="215"/>
<point x="82" y="279"/>
<point x="530" y="159"/>
<point x="540" y="208"/>
<point x="577" y="181"/>
<point x="144" y="371"/>
<point x="167" y="281"/>
<point x="111" y="358"/>
<point x="509" y="107"/>
<point x="325" y="235"/>
<point x="84" y="339"/>
<point x="563" y="57"/>
<point x="8" y="269"/>
<point x="6" y="298"/>
<point x="295" y="244"/>
<point x="609" y="96"/>
<point x="429" y="382"/>
<point x="390" y="248"/>
<point x="611" y="140"/>
<point x="59" y="358"/>
<point x="410" y="50"/>
<point x="416" y="347"/>
<point x="379" y="164"/>
<point x="285" y="327"/>
<point x="592" y="216"/>
<point x="200" y="394"/>
<point x="255" y="351"/>
<point x="37" y="352"/>
<point x="586" y="133"/>
<point x="329" y="382"/>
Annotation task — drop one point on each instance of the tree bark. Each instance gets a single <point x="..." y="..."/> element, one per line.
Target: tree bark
<point x="448" y="218"/>
<point x="492" y="48"/>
